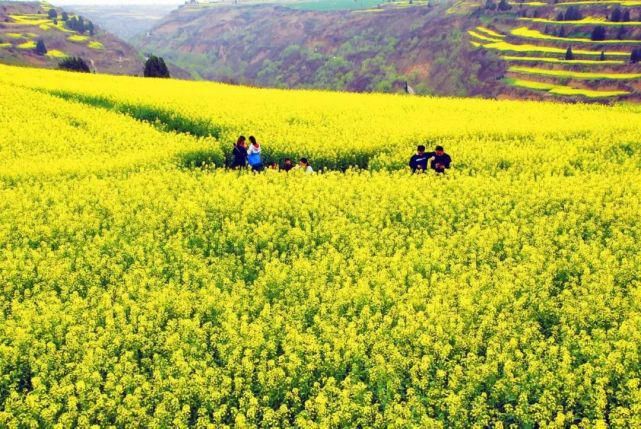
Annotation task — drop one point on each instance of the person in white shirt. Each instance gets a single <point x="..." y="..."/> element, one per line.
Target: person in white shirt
<point x="254" y="157"/>
<point x="305" y="166"/>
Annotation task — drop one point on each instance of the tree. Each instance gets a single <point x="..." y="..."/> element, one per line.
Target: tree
<point x="616" y="15"/>
<point x="72" y="23"/>
<point x="65" y="16"/>
<point x="562" y="32"/>
<point x="90" y="28"/>
<point x="626" y="16"/>
<point x="81" y="25"/>
<point x="53" y="14"/>
<point x="490" y="5"/>
<point x="78" y="24"/>
<point x="573" y="14"/>
<point x="74" y="64"/>
<point x="599" y="33"/>
<point x="569" y="55"/>
<point x="504" y="6"/>
<point x="602" y="56"/>
<point x="621" y="33"/>
<point x="41" y="49"/>
<point x="156" y="67"/>
<point x="560" y="17"/>
<point x="635" y="57"/>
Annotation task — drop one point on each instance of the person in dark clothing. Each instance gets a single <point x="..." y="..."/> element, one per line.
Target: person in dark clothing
<point x="287" y="164"/>
<point x="239" y="154"/>
<point x="440" y="160"/>
<point x="418" y="162"/>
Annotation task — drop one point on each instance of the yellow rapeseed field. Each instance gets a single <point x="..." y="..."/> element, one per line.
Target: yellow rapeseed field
<point x="144" y="286"/>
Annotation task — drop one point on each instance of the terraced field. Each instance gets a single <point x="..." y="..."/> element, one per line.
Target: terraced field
<point x="580" y="49"/>
<point x="23" y="24"/>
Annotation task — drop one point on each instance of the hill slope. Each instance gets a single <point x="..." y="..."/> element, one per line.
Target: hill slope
<point x="363" y="50"/>
<point x="533" y="39"/>
<point x="22" y="24"/>
<point x="517" y="50"/>
<point x="126" y="21"/>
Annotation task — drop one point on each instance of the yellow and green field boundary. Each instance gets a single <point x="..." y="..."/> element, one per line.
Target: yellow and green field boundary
<point x="568" y="74"/>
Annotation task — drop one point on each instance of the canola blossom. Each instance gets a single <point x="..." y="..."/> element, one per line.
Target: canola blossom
<point x="143" y="286"/>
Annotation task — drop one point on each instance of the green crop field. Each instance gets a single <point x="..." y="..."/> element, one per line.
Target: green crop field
<point x="329" y="5"/>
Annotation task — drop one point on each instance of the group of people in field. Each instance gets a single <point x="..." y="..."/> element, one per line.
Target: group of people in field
<point x="438" y="160"/>
<point x="244" y="156"/>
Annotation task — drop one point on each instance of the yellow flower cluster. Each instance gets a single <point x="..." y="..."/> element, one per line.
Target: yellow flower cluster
<point x="139" y="293"/>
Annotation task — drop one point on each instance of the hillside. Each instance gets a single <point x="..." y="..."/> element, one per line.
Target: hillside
<point x="126" y="21"/>
<point x="22" y="24"/>
<point x="143" y="286"/>
<point x="533" y="39"/>
<point x="517" y="50"/>
<point x="357" y="50"/>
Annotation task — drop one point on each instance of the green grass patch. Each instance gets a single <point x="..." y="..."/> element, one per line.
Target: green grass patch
<point x="534" y="49"/>
<point x="528" y="33"/>
<point x="569" y="74"/>
<point x="5" y="45"/>
<point x="554" y="60"/>
<point x="27" y="45"/>
<point x="15" y="36"/>
<point x="96" y="45"/>
<point x="329" y="5"/>
<point x="77" y="38"/>
<point x="562" y="89"/>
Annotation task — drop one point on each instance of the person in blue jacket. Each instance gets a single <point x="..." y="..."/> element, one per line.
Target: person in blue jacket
<point x="418" y="162"/>
<point x="254" y="157"/>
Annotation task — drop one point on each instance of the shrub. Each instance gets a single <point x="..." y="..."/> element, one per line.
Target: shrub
<point x="76" y="64"/>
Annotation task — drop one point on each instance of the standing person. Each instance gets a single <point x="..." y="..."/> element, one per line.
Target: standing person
<point x="418" y="162"/>
<point x="440" y="160"/>
<point x="287" y="164"/>
<point x="239" y="154"/>
<point x="254" y="155"/>
<point x="305" y="166"/>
